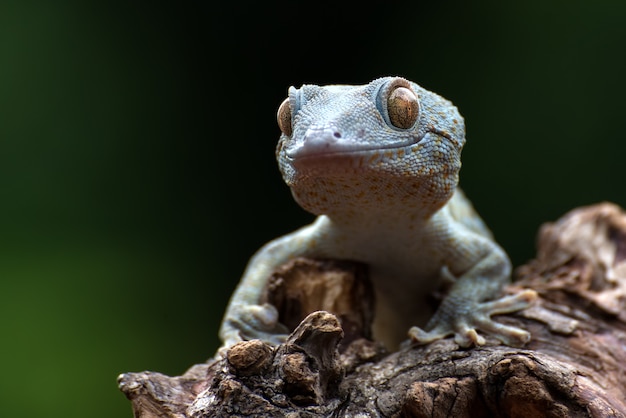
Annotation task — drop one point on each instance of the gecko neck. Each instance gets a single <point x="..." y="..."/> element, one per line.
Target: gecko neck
<point x="388" y="216"/>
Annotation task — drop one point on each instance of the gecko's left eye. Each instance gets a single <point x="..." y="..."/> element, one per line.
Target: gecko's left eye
<point x="402" y="107"/>
<point x="284" y="117"/>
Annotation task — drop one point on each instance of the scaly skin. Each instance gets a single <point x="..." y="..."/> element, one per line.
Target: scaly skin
<point x="379" y="165"/>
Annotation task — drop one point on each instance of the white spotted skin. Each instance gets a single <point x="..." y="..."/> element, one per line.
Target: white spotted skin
<point x="388" y="197"/>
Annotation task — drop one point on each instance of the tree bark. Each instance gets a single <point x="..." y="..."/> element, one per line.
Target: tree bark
<point x="574" y="366"/>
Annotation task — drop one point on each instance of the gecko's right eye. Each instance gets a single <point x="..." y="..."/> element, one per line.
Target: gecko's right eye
<point x="284" y="117"/>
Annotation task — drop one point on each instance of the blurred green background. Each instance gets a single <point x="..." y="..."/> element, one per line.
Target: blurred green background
<point x="137" y="173"/>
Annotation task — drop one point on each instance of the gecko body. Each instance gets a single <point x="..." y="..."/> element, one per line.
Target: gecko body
<point x="379" y="165"/>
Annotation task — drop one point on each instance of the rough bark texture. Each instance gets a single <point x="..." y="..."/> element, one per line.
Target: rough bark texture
<point x="574" y="366"/>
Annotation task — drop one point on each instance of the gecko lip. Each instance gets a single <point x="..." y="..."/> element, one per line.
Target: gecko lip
<point x="329" y="149"/>
<point x="345" y="148"/>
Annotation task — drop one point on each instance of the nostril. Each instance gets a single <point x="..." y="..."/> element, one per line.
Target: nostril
<point x="323" y="134"/>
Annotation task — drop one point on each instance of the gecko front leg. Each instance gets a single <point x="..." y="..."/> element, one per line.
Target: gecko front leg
<point x="467" y="308"/>
<point x="246" y="318"/>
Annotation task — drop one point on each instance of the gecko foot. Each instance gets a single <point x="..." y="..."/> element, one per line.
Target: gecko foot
<point x="464" y="319"/>
<point x="254" y="322"/>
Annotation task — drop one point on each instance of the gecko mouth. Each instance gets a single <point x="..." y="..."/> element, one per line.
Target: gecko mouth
<point x="316" y="148"/>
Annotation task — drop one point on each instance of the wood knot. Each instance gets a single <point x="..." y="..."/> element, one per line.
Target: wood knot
<point x="249" y="357"/>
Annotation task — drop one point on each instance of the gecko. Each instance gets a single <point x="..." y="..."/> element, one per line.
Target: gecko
<point x="378" y="164"/>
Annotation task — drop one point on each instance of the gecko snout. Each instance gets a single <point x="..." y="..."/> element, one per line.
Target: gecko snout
<point x="318" y="140"/>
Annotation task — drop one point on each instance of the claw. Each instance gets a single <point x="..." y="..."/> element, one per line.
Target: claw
<point x="420" y="336"/>
<point x="469" y="338"/>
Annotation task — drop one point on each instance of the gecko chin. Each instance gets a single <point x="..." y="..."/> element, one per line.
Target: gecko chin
<point x="330" y="161"/>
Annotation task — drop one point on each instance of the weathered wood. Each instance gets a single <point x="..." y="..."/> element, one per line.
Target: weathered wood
<point x="574" y="366"/>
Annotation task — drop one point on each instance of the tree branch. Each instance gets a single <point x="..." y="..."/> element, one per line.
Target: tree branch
<point x="575" y="364"/>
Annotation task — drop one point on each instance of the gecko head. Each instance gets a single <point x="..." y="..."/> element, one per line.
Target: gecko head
<point x="383" y="144"/>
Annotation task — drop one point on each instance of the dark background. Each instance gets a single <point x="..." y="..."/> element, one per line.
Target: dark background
<point x="137" y="170"/>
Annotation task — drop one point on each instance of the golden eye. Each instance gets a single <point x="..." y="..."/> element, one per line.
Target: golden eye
<point x="402" y="107"/>
<point x="284" y="117"/>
